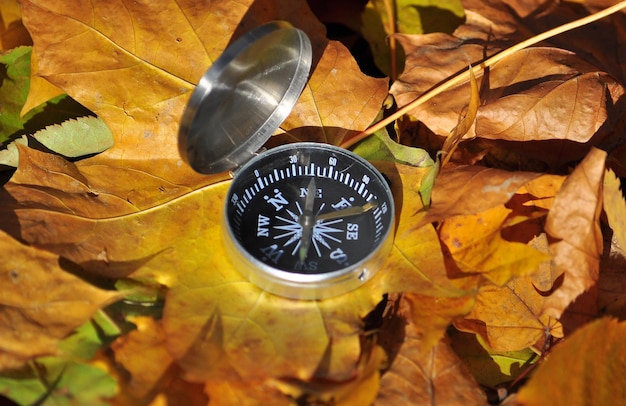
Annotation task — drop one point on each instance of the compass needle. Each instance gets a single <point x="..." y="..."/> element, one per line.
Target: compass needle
<point x="350" y="211"/>
<point x="307" y="220"/>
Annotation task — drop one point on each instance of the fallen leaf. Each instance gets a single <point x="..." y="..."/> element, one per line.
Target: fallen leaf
<point x="416" y="258"/>
<point x="13" y="92"/>
<point x="107" y="228"/>
<point x="467" y="190"/>
<point x="379" y="147"/>
<point x="437" y="377"/>
<point x="14" y="88"/>
<point x="143" y="354"/>
<point x="573" y="225"/>
<point x="44" y="305"/>
<point x="337" y="103"/>
<point x="509" y="318"/>
<point x="72" y="138"/>
<point x="123" y="63"/>
<point x="12" y="31"/>
<point x="614" y="206"/>
<point x="475" y="244"/>
<point x="513" y="90"/>
<point x="582" y="369"/>
<point x="490" y="368"/>
<point x="63" y="383"/>
<point x="466" y="121"/>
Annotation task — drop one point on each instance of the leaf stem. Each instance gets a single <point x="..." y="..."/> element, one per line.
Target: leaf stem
<point x="464" y="75"/>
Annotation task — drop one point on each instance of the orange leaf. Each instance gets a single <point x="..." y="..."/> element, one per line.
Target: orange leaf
<point x="466" y="190"/>
<point x="615" y="206"/>
<point x="338" y="102"/>
<point x="416" y="263"/>
<point x="140" y="62"/>
<point x="439" y="377"/>
<point x="476" y="245"/>
<point x="40" y="302"/>
<point x="12" y="31"/>
<point x="585" y="369"/>
<point x="509" y="318"/>
<point x="573" y="225"/>
<point x="142" y="353"/>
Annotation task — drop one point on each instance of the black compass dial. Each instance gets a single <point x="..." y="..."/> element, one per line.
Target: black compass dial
<point x="309" y="209"/>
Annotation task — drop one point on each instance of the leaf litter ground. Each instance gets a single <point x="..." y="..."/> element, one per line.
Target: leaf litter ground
<point x="512" y="249"/>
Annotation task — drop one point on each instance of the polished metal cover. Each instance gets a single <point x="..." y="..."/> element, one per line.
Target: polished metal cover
<point x="244" y="97"/>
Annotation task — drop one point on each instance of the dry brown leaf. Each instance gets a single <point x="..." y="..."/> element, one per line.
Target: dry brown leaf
<point x="416" y="259"/>
<point x="143" y="354"/>
<point x="518" y="94"/>
<point x="338" y="101"/>
<point x="467" y="190"/>
<point x="421" y="373"/>
<point x="574" y="229"/>
<point x="40" y="303"/>
<point x="508" y="318"/>
<point x="12" y="31"/>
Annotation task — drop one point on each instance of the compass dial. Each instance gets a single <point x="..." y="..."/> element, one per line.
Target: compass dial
<point x="310" y="220"/>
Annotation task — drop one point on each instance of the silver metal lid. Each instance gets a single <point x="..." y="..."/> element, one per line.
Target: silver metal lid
<point x="244" y="97"/>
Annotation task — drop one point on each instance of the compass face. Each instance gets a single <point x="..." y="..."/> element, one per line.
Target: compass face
<point x="309" y="213"/>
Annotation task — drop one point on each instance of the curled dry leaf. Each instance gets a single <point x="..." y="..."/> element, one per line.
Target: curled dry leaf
<point x="574" y="229"/>
<point x="518" y="93"/>
<point x="40" y="303"/>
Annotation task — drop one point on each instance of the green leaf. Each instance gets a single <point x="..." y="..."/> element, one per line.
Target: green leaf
<point x="51" y="382"/>
<point x="14" y="79"/>
<point x="66" y="379"/>
<point x="90" y="337"/>
<point x="72" y="138"/>
<point x="490" y="368"/>
<point x="379" y="147"/>
<point x="76" y="137"/>
<point x="412" y="17"/>
<point x="14" y="88"/>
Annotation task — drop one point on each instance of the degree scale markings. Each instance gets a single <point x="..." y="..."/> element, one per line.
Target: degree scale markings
<point x="294" y="170"/>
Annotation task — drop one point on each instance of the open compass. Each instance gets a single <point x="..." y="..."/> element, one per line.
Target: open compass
<point x="303" y="220"/>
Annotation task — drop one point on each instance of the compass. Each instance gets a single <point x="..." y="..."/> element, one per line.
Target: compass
<point x="303" y="220"/>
